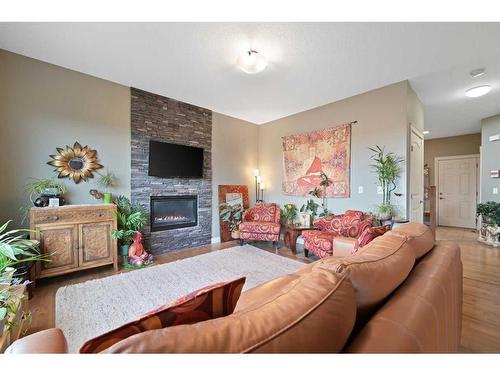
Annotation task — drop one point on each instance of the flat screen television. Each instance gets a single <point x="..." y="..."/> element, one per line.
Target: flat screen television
<point x="169" y="160"/>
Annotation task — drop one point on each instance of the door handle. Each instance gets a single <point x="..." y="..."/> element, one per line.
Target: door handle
<point x="441" y="198"/>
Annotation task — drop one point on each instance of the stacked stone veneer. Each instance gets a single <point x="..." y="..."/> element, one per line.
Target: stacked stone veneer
<point x="155" y="117"/>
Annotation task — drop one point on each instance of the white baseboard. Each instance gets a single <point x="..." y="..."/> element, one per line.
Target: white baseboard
<point x="215" y="239"/>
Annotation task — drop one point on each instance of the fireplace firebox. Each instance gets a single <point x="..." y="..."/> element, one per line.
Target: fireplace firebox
<point x="170" y="212"/>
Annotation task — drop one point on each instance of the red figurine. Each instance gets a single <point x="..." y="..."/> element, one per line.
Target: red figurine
<point x="137" y="256"/>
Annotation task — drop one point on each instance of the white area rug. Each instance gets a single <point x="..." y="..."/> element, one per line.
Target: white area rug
<point x="94" y="307"/>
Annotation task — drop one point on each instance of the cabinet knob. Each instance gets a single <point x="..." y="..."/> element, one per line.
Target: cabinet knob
<point x="55" y="217"/>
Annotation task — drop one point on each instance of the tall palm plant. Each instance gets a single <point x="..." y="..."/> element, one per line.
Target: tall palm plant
<point x="388" y="167"/>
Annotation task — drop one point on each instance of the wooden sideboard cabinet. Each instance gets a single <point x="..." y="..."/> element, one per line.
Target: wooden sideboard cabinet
<point x="77" y="237"/>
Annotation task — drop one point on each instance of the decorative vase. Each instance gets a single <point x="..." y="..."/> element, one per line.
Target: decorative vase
<point x="235" y="234"/>
<point x="107" y="198"/>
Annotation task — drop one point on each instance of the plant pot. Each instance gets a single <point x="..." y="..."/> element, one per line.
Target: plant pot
<point x="124" y="248"/>
<point x="235" y="234"/>
<point x="107" y="198"/>
<point x="384" y="217"/>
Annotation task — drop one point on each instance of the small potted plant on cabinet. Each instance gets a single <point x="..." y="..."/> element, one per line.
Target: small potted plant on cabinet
<point x="40" y="191"/>
<point x="130" y="219"/>
<point x="232" y="215"/>
<point x="107" y="181"/>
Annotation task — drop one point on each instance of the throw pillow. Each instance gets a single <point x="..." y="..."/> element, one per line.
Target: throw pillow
<point x="210" y="302"/>
<point x="368" y="235"/>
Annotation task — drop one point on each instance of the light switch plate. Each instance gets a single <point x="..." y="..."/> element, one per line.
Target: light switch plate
<point x="494" y="137"/>
<point x="360" y="189"/>
<point x="495" y="190"/>
<point x="379" y="190"/>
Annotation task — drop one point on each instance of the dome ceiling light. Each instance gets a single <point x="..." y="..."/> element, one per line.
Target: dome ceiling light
<point x="252" y="62"/>
<point x="478" y="91"/>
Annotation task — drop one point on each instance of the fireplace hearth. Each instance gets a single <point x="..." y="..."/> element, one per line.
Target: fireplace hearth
<point x="171" y="212"/>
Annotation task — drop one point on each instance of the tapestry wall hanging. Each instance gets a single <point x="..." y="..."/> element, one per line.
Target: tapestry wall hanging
<point x="306" y="156"/>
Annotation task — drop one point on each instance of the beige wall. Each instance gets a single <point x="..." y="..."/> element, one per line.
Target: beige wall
<point x="490" y="159"/>
<point x="42" y="107"/>
<point x="382" y="117"/>
<point x="449" y="146"/>
<point x="234" y="157"/>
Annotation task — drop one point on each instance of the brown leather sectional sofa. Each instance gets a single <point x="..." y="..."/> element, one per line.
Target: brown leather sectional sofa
<point x="400" y="294"/>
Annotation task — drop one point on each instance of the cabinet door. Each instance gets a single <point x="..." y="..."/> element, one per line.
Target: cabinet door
<point x="61" y="243"/>
<point x="96" y="243"/>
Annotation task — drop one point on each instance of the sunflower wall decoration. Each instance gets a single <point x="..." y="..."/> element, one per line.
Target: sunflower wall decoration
<point x="75" y="162"/>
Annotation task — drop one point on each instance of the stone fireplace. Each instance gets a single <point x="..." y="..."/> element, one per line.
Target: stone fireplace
<point x="177" y="225"/>
<point x="176" y="211"/>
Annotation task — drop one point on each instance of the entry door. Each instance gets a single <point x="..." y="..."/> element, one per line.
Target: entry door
<point x="416" y="177"/>
<point x="457" y="188"/>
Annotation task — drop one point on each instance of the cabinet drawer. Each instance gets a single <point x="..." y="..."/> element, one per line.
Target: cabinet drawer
<point x="52" y="216"/>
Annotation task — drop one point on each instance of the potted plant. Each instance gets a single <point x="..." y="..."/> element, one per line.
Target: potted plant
<point x="387" y="167"/>
<point x="232" y="215"/>
<point x="490" y="220"/>
<point x="489" y="212"/>
<point x="17" y="256"/>
<point x="310" y="207"/>
<point x="40" y="191"/>
<point x="289" y="213"/>
<point x="106" y="181"/>
<point x="130" y="219"/>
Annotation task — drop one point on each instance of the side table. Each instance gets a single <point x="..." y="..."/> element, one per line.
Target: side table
<point x="292" y="233"/>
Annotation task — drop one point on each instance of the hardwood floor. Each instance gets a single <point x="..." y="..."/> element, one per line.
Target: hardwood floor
<point x="481" y="299"/>
<point x="481" y="307"/>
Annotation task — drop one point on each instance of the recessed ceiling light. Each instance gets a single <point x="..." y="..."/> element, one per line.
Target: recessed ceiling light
<point x="478" y="91"/>
<point x="425" y="132"/>
<point x="477" y="72"/>
<point x="252" y="62"/>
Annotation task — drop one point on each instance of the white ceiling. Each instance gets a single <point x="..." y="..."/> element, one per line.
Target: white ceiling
<point x="310" y="64"/>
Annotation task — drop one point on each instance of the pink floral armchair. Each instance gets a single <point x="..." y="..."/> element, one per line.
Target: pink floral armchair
<point x="261" y="222"/>
<point x="320" y="242"/>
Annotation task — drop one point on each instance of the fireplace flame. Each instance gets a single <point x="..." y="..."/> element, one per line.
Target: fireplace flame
<point x="170" y="218"/>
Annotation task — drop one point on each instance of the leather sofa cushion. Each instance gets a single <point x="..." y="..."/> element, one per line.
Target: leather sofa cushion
<point x="420" y="237"/>
<point x="424" y="315"/>
<point x="49" y="341"/>
<point x="210" y="302"/>
<point x="376" y="271"/>
<point x="313" y="313"/>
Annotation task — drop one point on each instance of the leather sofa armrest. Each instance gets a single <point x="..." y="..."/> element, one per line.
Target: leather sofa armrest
<point x="49" y="341"/>
<point x="343" y="246"/>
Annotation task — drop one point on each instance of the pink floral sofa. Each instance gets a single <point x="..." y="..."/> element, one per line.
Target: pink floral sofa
<point x="320" y="242"/>
<point x="261" y="222"/>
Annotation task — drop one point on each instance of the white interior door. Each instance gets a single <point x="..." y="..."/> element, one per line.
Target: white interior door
<point x="457" y="191"/>
<point x="416" y="177"/>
